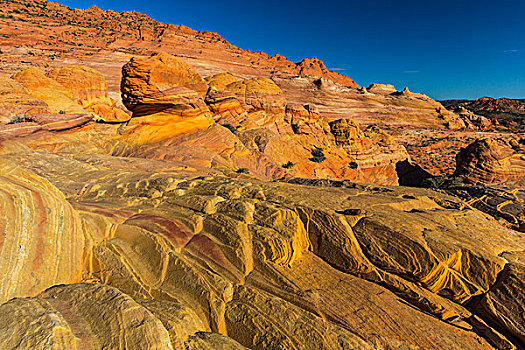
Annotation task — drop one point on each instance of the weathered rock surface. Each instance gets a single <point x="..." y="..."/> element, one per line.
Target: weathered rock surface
<point x="381" y="88"/>
<point x="241" y="258"/>
<point x="261" y="98"/>
<point x="490" y="160"/>
<point x="54" y="94"/>
<point x="166" y="98"/>
<point x="505" y="202"/>
<point x="161" y="233"/>
<point x="221" y="80"/>
<point x="88" y="88"/>
<point x="501" y="111"/>
<point x="42" y="240"/>
<point x="315" y="67"/>
<point x="80" y="316"/>
<point x="49" y="35"/>
<point x="171" y="121"/>
<point x="226" y="107"/>
<point x="15" y="102"/>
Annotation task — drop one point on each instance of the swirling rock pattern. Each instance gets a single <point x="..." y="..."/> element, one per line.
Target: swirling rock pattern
<point x="89" y="89"/>
<point x="166" y="98"/>
<point x="41" y="241"/>
<point x="16" y="103"/>
<point x="489" y="160"/>
<point x="213" y="261"/>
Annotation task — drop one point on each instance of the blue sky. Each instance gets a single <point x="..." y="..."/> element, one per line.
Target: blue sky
<point x="446" y="49"/>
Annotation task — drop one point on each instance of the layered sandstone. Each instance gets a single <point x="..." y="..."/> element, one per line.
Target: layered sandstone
<point x="166" y="98"/>
<point x="54" y="94"/>
<point x="163" y="233"/>
<point x="261" y="98"/>
<point x="89" y="89"/>
<point x="63" y="317"/>
<point x="315" y="67"/>
<point x="42" y="241"/>
<point x="16" y="104"/>
<point x="490" y="160"/>
<point x="501" y="111"/>
<point x="193" y="256"/>
<point x="172" y="121"/>
<point x="505" y="202"/>
<point x="49" y="35"/>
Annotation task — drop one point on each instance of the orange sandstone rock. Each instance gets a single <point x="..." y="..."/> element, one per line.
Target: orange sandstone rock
<point x="166" y="98"/>
<point x="41" y="87"/>
<point x="43" y="239"/>
<point x="316" y="67"/>
<point x="16" y="103"/>
<point x="88" y="88"/>
<point x="489" y="160"/>
<point x="220" y="81"/>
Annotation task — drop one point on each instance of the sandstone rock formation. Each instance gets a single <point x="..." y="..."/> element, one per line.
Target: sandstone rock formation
<point x="42" y="239"/>
<point x="170" y="120"/>
<point x="89" y="89"/>
<point x="225" y="106"/>
<point x="490" y="160"/>
<point x="261" y="98"/>
<point x="72" y="89"/>
<point x="471" y="119"/>
<point x="15" y="102"/>
<point x="502" y="111"/>
<point x="54" y="94"/>
<point x="49" y="35"/>
<point x="166" y="98"/>
<point x="220" y="81"/>
<point x="381" y="88"/>
<point x="183" y="255"/>
<point x="172" y="231"/>
<point x="315" y="67"/>
<point x="373" y="149"/>
<point x="64" y="317"/>
<point x="505" y="203"/>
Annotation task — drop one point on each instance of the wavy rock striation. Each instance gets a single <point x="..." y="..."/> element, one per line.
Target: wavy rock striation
<point x="242" y="258"/>
<point x="489" y="160"/>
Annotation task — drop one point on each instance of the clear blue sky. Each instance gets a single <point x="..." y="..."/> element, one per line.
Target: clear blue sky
<point x="446" y="49"/>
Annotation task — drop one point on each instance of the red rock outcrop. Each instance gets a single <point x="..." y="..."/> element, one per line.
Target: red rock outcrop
<point x="490" y="160"/>
<point x="49" y="35"/>
<point x="55" y="95"/>
<point x="16" y="103"/>
<point x="315" y="67"/>
<point x="497" y="105"/>
<point x="89" y="89"/>
<point x="225" y="106"/>
<point x="261" y="98"/>
<point x="472" y="120"/>
<point x="374" y="151"/>
<point x="381" y="88"/>
<point x="220" y="81"/>
<point x="166" y="98"/>
<point x="86" y="31"/>
<point x="505" y="111"/>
